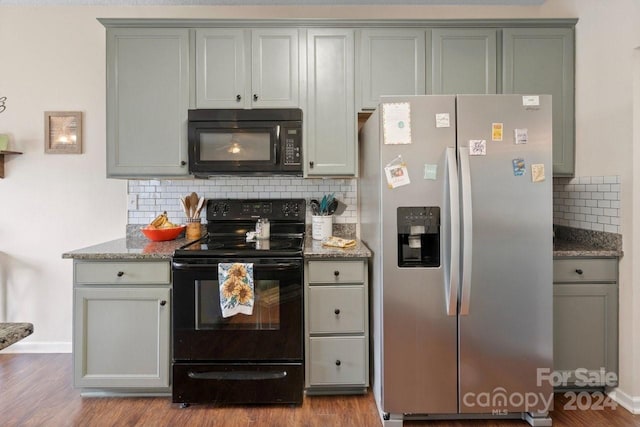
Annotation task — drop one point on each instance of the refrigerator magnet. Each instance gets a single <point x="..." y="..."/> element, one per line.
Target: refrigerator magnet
<point x="496" y="131"/>
<point x="430" y="171"/>
<point x="518" y="167"/>
<point x="396" y="173"/>
<point x="396" y="122"/>
<point x="521" y="136"/>
<point x="443" y="120"/>
<point x="477" y="147"/>
<point x="537" y="172"/>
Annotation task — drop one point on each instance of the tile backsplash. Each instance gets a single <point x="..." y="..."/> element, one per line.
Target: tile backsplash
<point x="156" y="196"/>
<point x="587" y="202"/>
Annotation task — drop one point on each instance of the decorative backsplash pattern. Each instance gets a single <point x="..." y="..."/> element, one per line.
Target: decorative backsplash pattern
<point x="587" y="202"/>
<point x="156" y="196"/>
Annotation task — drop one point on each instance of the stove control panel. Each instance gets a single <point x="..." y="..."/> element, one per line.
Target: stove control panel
<point x="274" y="209"/>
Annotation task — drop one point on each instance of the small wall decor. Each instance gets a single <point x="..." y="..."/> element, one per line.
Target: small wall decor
<point x="63" y="132"/>
<point x="3" y="102"/>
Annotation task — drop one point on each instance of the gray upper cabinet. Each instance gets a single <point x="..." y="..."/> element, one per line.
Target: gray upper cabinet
<point x="330" y="119"/>
<point x="147" y="101"/>
<point x="242" y="68"/>
<point x="541" y="61"/>
<point x="463" y="61"/>
<point x="390" y="62"/>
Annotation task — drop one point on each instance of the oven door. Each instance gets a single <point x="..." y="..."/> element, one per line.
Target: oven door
<point x="272" y="332"/>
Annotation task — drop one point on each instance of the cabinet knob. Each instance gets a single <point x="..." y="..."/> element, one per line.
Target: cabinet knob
<point x="183" y="163"/>
<point x="238" y="97"/>
<point x="255" y="97"/>
<point x="579" y="270"/>
<point x="338" y="362"/>
<point x="120" y="273"/>
<point x="336" y="273"/>
<point x="336" y="311"/>
<point x="311" y="164"/>
<point x="163" y="303"/>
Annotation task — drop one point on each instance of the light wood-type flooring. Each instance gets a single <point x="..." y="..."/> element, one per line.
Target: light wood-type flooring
<point x="36" y="390"/>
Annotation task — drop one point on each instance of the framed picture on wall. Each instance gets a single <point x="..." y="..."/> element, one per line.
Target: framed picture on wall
<point x="63" y="132"/>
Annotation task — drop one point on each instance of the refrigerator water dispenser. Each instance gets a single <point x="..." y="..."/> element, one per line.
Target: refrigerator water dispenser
<point x="419" y="236"/>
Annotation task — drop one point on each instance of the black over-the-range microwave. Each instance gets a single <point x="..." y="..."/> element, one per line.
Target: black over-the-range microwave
<point x="245" y="142"/>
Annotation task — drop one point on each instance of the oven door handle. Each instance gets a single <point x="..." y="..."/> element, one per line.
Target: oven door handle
<point x="238" y="375"/>
<point x="256" y="267"/>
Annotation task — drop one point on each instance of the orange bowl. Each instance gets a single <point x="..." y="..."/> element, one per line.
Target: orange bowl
<point x="162" y="234"/>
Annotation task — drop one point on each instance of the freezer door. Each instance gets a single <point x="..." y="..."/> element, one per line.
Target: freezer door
<point x="419" y="354"/>
<point x="505" y="322"/>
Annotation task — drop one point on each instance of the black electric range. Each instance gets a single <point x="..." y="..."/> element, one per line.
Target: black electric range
<point x="245" y="358"/>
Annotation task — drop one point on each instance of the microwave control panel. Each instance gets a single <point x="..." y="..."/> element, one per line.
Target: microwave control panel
<point x="292" y="146"/>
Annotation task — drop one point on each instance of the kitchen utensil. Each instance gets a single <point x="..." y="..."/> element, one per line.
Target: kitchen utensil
<point x="193" y="203"/>
<point x="332" y="207"/>
<point x="187" y="206"/>
<point x="199" y="207"/>
<point x="315" y="206"/>
<point x="184" y="206"/>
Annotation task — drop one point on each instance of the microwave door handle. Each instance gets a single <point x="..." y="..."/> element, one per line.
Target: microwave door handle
<point x="275" y="146"/>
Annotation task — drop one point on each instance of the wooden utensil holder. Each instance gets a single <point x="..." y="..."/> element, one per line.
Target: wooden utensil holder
<point x="194" y="229"/>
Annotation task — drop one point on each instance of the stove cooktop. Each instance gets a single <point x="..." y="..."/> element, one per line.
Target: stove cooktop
<point x="237" y="246"/>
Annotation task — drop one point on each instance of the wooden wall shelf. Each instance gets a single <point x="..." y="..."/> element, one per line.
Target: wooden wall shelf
<point x="2" y="154"/>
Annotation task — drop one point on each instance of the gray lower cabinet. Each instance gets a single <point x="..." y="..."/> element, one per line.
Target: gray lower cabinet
<point x="329" y="116"/>
<point x="541" y="61"/>
<point x="391" y="61"/>
<point x="147" y="102"/>
<point x="247" y="68"/>
<point x="336" y="326"/>
<point x="585" y="322"/>
<point x="121" y="325"/>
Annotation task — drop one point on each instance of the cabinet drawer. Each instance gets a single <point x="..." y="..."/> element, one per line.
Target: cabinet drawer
<point x="339" y="360"/>
<point x="336" y="309"/>
<point x="585" y="270"/>
<point x="336" y="272"/>
<point x="157" y="272"/>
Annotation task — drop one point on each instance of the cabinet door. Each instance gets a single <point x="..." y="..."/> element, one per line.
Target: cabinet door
<point x="274" y="69"/>
<point x="463" y="61"/>
<point x="121" y="337"/>
<point x="221" y="79"/>
<point x="330" y="119"/>
<point x="147" y="102"/>
<point x="391" y="62"/>
<point x="585" y="329"/>
<point x="541" y="61"/>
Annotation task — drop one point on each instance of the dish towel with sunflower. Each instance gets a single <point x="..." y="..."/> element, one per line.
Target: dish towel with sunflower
<point x="236" y="288"/>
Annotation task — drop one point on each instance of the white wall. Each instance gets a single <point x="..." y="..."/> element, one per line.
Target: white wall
<point x="52" y="58"/>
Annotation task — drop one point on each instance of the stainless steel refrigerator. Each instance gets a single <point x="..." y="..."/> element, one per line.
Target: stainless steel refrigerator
<point x="456" y="204"/>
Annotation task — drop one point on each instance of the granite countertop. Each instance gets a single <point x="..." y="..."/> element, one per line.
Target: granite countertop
<point x="575" y="242"/>
<point x="128" y="248"/>
<point x="564" y="248"/>
<point x="314" y="249"/>
<point x="141" y="248"/>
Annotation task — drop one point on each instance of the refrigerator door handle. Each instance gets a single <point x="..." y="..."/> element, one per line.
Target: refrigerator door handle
<point x="467" y="231"/>
<point x="452" y="282"/>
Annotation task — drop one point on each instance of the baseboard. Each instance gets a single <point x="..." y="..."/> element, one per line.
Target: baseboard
<point x="38" y="347"/>
<point x="630" y="403"/>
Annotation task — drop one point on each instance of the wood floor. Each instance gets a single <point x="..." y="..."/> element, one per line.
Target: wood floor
<point x="36" y="390"/>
